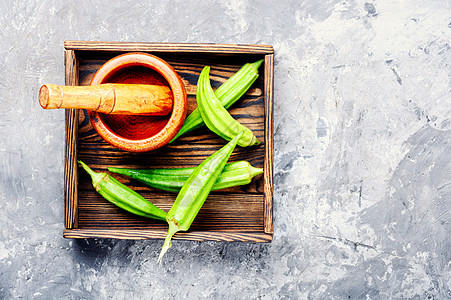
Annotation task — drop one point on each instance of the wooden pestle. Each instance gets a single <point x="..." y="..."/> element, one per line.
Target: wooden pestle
<point x="109" y="98"/>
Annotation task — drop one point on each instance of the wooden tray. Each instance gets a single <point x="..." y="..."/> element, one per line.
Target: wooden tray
<point x="234" y="214"/>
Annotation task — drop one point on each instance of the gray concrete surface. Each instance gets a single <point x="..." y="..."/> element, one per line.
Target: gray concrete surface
<point x="362" y="153"/>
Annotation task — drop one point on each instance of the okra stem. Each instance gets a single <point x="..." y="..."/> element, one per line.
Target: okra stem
<point x="96" y="177"/>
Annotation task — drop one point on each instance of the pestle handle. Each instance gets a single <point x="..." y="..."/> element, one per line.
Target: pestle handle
<point x="109" y="98"/>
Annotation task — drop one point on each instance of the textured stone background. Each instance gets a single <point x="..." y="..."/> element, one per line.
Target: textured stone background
<point x="362" y="153"/>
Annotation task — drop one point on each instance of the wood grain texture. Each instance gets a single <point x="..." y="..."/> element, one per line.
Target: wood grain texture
<point x="269" y="147"/>
<point x="127" y="234"/>
<point x="241" y="213"/>
<point x="110" y="98"/>
<point x="71" y="143"/>
<point x="168" y="47"/>
<point x="221" y="211"/>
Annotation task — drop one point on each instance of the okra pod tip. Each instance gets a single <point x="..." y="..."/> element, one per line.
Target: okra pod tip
<point x="255" y="171"/>
<point x="257" y="64"/>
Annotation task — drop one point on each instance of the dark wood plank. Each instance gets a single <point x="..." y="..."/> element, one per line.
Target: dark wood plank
<point x="71" y="143"/>
<point x="168" y="47"/>
<point x="220" y="212"/>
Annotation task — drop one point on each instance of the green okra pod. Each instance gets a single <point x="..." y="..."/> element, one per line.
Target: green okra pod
<point x="172" y="179"/>
<point x="195" y="191"/>
<point x="228" y="93"/>
<point x="123" y="196"/>
<point x="216" y="117"/>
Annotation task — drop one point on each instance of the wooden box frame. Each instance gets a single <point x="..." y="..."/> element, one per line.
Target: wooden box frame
<point x="81" y="221"/>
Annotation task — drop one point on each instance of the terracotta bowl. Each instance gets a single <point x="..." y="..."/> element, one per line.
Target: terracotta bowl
<point x="139" y="133"/>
